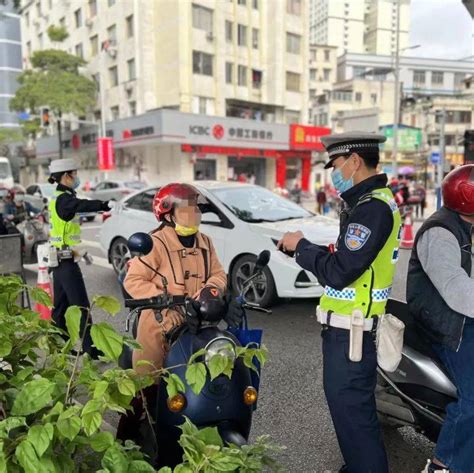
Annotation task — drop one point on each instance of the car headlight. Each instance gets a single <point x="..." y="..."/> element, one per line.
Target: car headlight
<point x="220" y="346"/>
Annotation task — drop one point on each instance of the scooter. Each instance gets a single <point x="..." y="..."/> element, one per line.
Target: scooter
<point x="35" y="232"/>
<point x="226" y="403"/>
<point x="419" y="391"/>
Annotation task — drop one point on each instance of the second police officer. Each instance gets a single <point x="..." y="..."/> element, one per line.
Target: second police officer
<point x="357" y="275"/>
<point x="65" y="235"/>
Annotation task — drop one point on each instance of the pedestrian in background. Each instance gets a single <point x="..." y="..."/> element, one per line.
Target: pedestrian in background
<point x="321" y="200"/>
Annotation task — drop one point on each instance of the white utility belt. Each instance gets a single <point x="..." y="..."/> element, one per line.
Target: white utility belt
<point x="341" y="321"/>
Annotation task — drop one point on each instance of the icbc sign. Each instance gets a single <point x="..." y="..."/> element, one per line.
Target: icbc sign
<point x="307" y="137"/>
<point x="105" y="154"/>
<point x="217" y="131"/>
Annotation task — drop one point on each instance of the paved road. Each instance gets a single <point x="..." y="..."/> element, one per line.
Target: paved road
<point x="292" y="408"/>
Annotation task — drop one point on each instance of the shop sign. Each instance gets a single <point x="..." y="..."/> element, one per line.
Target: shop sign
<point x="307" y="137"/>
<point x="408" y="139"/>
<point x="146" y="130"/>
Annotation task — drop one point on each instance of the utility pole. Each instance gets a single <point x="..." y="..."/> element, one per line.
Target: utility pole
<point x="442" y="150"/>
<point x="397" y="96"/>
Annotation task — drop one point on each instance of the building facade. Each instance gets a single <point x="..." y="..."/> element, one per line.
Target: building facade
<point x="360" y="26"/>
<point x="242" y="59"/>
<point x="10" y="61"/>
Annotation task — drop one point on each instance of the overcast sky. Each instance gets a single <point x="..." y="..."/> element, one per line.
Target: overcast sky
<point x="443" y="28"/>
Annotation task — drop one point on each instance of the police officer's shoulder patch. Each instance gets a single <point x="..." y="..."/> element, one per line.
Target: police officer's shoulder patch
<point x="356" y="236"/>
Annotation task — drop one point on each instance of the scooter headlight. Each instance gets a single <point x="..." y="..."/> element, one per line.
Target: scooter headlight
<point x="220" y="346"/>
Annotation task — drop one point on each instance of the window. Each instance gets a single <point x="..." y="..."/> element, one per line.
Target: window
<point x="40" y="40"/>
<point x="327" y="54"/>
<point x="113" y="75"/>
<point x="419" y="77"/>
<point x="62" y="22"/>
<point x="202" y="63"/>
<point x="458" y="79"/>
<point x="256" y="79"/>
<point x="112" y="33"/>
<point x="94" y="45"/>
<point x="293" y="7"/>
<point x="78" y="18"/>
<point x="242" y="2"/>
<point x="293" y="81"/>
<point x="111" y="3"/>
<point x="202" y="18"/>
<point x="312" y="74"/>
<point x="132" y="74"/>
<point x="373" y="98"/>
<point x="255" y="36"/>
<point x="358" y="71"/>
<point x="27" y="19"/>
<point x="229" y="29"/>
<point x="114" y="112"/>
<point x="242" y="35"/>
<point x="28" y="48"/>
<point x="327" y="74"/>
<point x="323" y="119"/>
<point x="79" y="50"/>
<point x="292" y="117"/>
<point x="242" y="75"/>
<point x="255" y="4"/>
<point x="437" y="78"/>
<point x="129" y="26"/>
<point x="92" y="8"/>
<point x="133" y="108"/>
<point x="293" y="43"/>
<point x="38" y="9"/>
<point x="229" y="73"/>
<point x="203" y="105"/>
<point x="358" y="97"/>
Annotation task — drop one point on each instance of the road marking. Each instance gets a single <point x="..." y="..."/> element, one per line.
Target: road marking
<point x="97" y="261"/>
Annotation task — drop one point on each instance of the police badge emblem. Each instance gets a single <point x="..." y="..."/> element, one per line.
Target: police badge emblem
<point x="356" y="236"/>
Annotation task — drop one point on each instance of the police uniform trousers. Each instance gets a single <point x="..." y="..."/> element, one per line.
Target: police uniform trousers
<point x="349" y="387"/>
<point x="69" y="290"/>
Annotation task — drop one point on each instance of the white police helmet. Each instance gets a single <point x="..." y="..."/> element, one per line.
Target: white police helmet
<point x="63" y="165"/>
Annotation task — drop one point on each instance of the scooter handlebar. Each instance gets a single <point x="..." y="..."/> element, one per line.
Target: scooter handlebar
<point x="157" y="302"/>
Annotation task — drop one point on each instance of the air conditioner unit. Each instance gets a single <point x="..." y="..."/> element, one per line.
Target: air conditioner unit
<point x="89" y="22"/>
<point x="210" y="37"/>
<point x="129" y="86"/>
<point x="112" y="53"/>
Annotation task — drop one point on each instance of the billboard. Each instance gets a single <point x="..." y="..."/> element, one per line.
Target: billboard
<point x="409" y="139"/>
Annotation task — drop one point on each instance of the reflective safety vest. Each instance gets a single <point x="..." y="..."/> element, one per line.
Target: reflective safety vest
<point x="61" y="232"/>
<point x="371" y="290"/>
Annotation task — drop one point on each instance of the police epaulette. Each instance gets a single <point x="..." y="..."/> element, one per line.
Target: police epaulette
<point x="365" y="198"/>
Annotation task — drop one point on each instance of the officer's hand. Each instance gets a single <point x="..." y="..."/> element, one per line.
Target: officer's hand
<point x="105" y="207"/>
<point x="235" y="313"/>
<point x="290" y="241"/>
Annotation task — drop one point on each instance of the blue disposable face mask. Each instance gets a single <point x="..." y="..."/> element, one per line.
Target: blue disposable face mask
<point x="76" y="183"/>
<point x="342" y="185"/>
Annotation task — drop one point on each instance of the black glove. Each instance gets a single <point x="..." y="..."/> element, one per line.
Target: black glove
<point x="105" y="206"/>
<point x="192" y="316"/>
<point x="235" y="313"/>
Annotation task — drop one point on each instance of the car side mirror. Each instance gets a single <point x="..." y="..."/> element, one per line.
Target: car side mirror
<point x="140" y="244"/>
<point x="210" y="217"/>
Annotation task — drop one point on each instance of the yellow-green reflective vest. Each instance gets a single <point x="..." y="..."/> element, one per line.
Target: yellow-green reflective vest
<point x="370" y="292"/>
<point x="61" y="232"/>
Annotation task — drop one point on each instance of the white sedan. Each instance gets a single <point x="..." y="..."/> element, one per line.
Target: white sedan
<point x="242" y="220"/>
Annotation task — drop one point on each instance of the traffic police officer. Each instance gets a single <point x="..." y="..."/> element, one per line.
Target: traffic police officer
<point x="357" y="275"/>
<point x="65" y="234"/>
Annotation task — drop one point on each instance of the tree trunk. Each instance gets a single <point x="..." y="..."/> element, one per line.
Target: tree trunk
<point x="60" y="136"/>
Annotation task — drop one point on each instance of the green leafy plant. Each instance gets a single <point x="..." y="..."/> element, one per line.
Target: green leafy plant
<point x="53" y="400"/>
<point x="57" y="33"/>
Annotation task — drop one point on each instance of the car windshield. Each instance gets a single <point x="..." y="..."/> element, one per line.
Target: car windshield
<point x="137" y="185"/>
<point x="48" y="190"/>
<point x="5" y="170"/>
<point x="257" y="204"/>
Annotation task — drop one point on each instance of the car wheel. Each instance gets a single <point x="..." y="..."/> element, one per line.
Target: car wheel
<point x="119" y="254"/>
<point x="91" y="219"/>
<point x="262" y="290"/>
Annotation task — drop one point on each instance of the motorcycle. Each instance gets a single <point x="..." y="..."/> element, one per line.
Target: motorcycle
<point x="35" y="232"/>
<point x="419" y="391"/>
<point x="226" y="403"/>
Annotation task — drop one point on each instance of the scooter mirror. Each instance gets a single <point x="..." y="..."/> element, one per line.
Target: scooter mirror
<point x="262" y="261"/>
<point x="140" y="243"/>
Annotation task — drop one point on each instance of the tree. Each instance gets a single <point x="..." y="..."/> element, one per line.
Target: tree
<point x="54" y="81"/>
<point x="7" y="137"/>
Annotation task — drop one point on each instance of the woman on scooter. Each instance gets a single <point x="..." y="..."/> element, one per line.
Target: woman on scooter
<point x="182" y="258"/>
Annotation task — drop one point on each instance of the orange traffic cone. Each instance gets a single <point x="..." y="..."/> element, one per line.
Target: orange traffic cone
<point x="43" y="283"/>
<point x="407" y="232"/>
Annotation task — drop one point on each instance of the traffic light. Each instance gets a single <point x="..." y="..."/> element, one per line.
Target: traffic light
<point x="45" y="117"/>
<point x="469" y="147"/>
